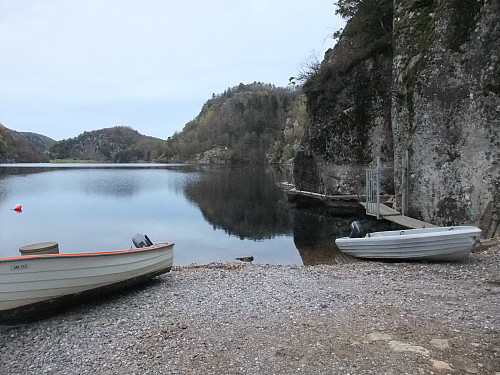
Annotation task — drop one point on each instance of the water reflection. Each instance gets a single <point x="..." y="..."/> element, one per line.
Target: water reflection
<point x="244" y="202"/>
<point x="313" y="238"/>
<point x="212" y="214"/>
<point x="110" y="184"/>
<point x="316" y="228"/>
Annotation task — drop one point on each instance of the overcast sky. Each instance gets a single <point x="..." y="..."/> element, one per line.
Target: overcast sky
<point x="67" y="66"/>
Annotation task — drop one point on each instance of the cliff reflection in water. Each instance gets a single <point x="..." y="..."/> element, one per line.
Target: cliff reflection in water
<point x="312" y="234"/>
<point x="316" y="228"/>
<point x="244" y="202"/>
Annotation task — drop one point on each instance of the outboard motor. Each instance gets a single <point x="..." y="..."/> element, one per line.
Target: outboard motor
<point x="356" y="230"/>
<point x="141" y="240"/>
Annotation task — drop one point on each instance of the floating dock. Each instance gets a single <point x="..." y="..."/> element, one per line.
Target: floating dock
<point x="356" y="201"/>
<point x="390" y="214"/>
<point x="337" y="201"/>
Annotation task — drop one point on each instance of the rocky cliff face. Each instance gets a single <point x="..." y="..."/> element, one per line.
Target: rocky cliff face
<point x="348" y="102"/>
<point x="433" y="94"/>
<point x="446" y="67"/>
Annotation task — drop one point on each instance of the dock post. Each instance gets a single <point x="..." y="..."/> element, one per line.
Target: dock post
<point x="404" y="183"/>
<point x="373" y="190"/>
<point x="378" y="187"/>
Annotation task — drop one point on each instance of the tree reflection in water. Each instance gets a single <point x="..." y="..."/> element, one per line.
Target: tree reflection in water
<point x="243" y="201"/>
<point x="246" y="202"/>
<point x="316" y="228"/>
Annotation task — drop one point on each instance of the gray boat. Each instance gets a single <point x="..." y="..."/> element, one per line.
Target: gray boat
<point x="438" y="243"/>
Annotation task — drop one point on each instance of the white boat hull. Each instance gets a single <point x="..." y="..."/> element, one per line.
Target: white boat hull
<point x="28" y="280"/>
<point x="440" y="243"/>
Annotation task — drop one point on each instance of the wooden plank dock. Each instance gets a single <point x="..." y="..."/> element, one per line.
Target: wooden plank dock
<point x="343" y="201"/>
<point x="338" y="201"/>
<point x="390" y="214"/>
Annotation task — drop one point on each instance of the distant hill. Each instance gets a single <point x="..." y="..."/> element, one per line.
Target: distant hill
<point x="19" y="147"/>
<point x="120" y="144"/>
<point x="256" y="123"/>
<point x="41" y="141"/>
<point x="247" y="123"/>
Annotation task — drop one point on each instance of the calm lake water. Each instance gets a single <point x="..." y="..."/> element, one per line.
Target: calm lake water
<point x="211" y="214"/>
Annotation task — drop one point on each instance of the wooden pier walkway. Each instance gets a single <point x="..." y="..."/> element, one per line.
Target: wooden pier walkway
<point x="390" y="214"/>
<point x="340" y="201"/>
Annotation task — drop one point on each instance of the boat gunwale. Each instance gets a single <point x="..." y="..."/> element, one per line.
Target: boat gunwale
<point x="398" y="235"/>
<point x="425" y="231"/>
<point x="86" y="254"/>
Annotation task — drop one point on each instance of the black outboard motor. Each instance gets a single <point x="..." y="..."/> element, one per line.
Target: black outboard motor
<point x="356" y="230"/>
<point x="141" y="240"/>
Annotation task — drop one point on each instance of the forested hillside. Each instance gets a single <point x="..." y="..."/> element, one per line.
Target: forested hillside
<point x="256" y="123"/>
<point x="17" y="147"/>
<point x="119" y="144"/>
<point x="247" y="123"/>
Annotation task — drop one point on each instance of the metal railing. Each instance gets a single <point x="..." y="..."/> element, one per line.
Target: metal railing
<point x="373" y="191"/>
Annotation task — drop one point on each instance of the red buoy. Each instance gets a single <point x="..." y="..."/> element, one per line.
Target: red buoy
<point x="18" y="208"/>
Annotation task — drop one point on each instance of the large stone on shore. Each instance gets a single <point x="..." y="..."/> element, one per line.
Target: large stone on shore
<point x="464" y="364"/>
<point x="379" y="336"/>
<point x="399" y="346"/>
<point x="440" y="343"/>
<point x="440" y="365"/>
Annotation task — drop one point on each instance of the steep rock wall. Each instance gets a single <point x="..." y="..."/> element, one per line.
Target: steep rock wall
<point x="447" y="112"/>
<point x="348" y="103"/>
<point x="431" y="92"/>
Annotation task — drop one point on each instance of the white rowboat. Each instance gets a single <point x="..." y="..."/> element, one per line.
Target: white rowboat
<point x="439" y="243"/>
<point x="30" y="280"/>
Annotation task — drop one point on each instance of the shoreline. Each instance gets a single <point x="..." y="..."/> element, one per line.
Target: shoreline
<point x="357" y="318"/>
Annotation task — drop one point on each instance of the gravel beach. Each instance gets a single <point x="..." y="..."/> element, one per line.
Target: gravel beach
<point x="356" y="318"/>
